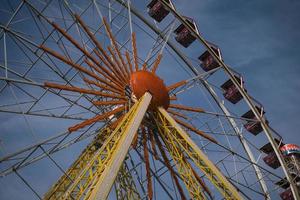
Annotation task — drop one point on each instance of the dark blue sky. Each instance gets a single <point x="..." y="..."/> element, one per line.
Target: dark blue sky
<point x="261" y="40"/>
<point x="258" y="38"/>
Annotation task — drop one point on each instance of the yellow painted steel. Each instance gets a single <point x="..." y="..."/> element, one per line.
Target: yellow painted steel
<point x="183" y="167"/>
<point x="118" y="149"/>
<point x="59" y="188"/>
<point x="178" y="139"/>
<point x="125" y="186"/>
<point x="92" y="175"/>
<point x="82" y="178"/>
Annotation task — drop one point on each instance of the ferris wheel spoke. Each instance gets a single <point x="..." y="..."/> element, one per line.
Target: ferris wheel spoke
<point x="21" y="76"/>
<point x="35" y="101"/>
<point x="134" y="51"/>
<point x="153" y="146"/>
<point x="210" y="170"/>
<point x="108" y="75"/>
<point x="176" y="85"/>
<point x="133" y="168"/>
<point x="97" y="118"/>
<point x="130" y="25"/>
<point x="125" y="185"/>
<point x="110" y="64"/>
<point x="147" y="163"/>
<point x="122" y="65"/>
<point x="71" y="174"/>
<point x="187" y="108"/>
<point x="158" y="42"/>
<point x="188" y="175"/>
<point x="155" y="173"/>
<point x="79" y="67"/>
<point x="27" y="81"/>
<point x="157" y="177"/>
<point x="87" y="72"/>
<point x="168" y="165"/>
<point x="42" y="115"/>
<point x="71" y="13"/>
<point x="120" y="72"/>
<point x="109" y="143"/>
<point x="244" y="94"/>
<point x="108" y="61"/>
<point x="156" y="63"/>
<point x="82" y="90"/>
<point x="129" y="61"/>
<point x="52" y="145"/>
<point x="178" y="114"/>
<point x="195" y="130"/>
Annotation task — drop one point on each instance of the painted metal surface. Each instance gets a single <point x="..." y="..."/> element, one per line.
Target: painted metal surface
<point x="144" y="81"/>
<point x="179" y="139"/>
<point x="127" y="130"/>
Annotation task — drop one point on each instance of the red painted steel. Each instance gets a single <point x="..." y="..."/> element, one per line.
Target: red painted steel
<point x="144" y="81"/>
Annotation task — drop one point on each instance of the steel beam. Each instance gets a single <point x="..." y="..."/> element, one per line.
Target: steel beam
<point x="210" y="90"/>
<point x="128" y="128"/>
<point x="125" y="185"/>
<point x="245" y="95"/>
<point x="179" y="138"/>
<point x="184" y="169"/>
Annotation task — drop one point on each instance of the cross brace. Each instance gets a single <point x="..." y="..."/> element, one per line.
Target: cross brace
<point x="180" y="144"/>
<point x="125" y="185"/>
<point x="92" y="175"/>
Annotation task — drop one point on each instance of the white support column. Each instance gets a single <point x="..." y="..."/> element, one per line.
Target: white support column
<point x="105" y="182"/>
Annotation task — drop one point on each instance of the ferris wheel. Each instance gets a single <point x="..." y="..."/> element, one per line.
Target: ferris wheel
<point x="119" y="99"/>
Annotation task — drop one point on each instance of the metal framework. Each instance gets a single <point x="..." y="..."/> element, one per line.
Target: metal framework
<point x="212" y="92"/>
<point x="71" y="174"/>
<point x="93" y="174"/>
<point x="155" y="167"/>
<point x="181" y="146"/>
<point x="267" y="130"/>
<point x="125" y="185"/>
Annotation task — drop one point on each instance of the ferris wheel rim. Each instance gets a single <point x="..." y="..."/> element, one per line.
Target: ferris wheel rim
<point x="267" y="129"/>
<point x="168" y="44"/>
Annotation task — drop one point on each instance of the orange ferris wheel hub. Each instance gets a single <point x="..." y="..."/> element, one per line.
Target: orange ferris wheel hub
<point x="144" y="81"/>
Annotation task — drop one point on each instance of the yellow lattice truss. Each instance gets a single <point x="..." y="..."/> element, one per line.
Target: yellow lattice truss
<point x="180" y="145"/>
<point x="99" y="168"/>
<point x="125" y="185"/>
<point x="101" y="164"/>
<point x="58" y="190"/>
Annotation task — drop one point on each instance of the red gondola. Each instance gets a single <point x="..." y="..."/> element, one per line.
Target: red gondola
<point x="272" y="160"/>
<point x="267" y="148"/>
<point x="231" y="93"/>
<point x="157" y="10"/>
<point x="183" y="35"/>
<point x="287" y="195"/>
<point x="207" y="62"/>
<point x="253" y="127"/>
